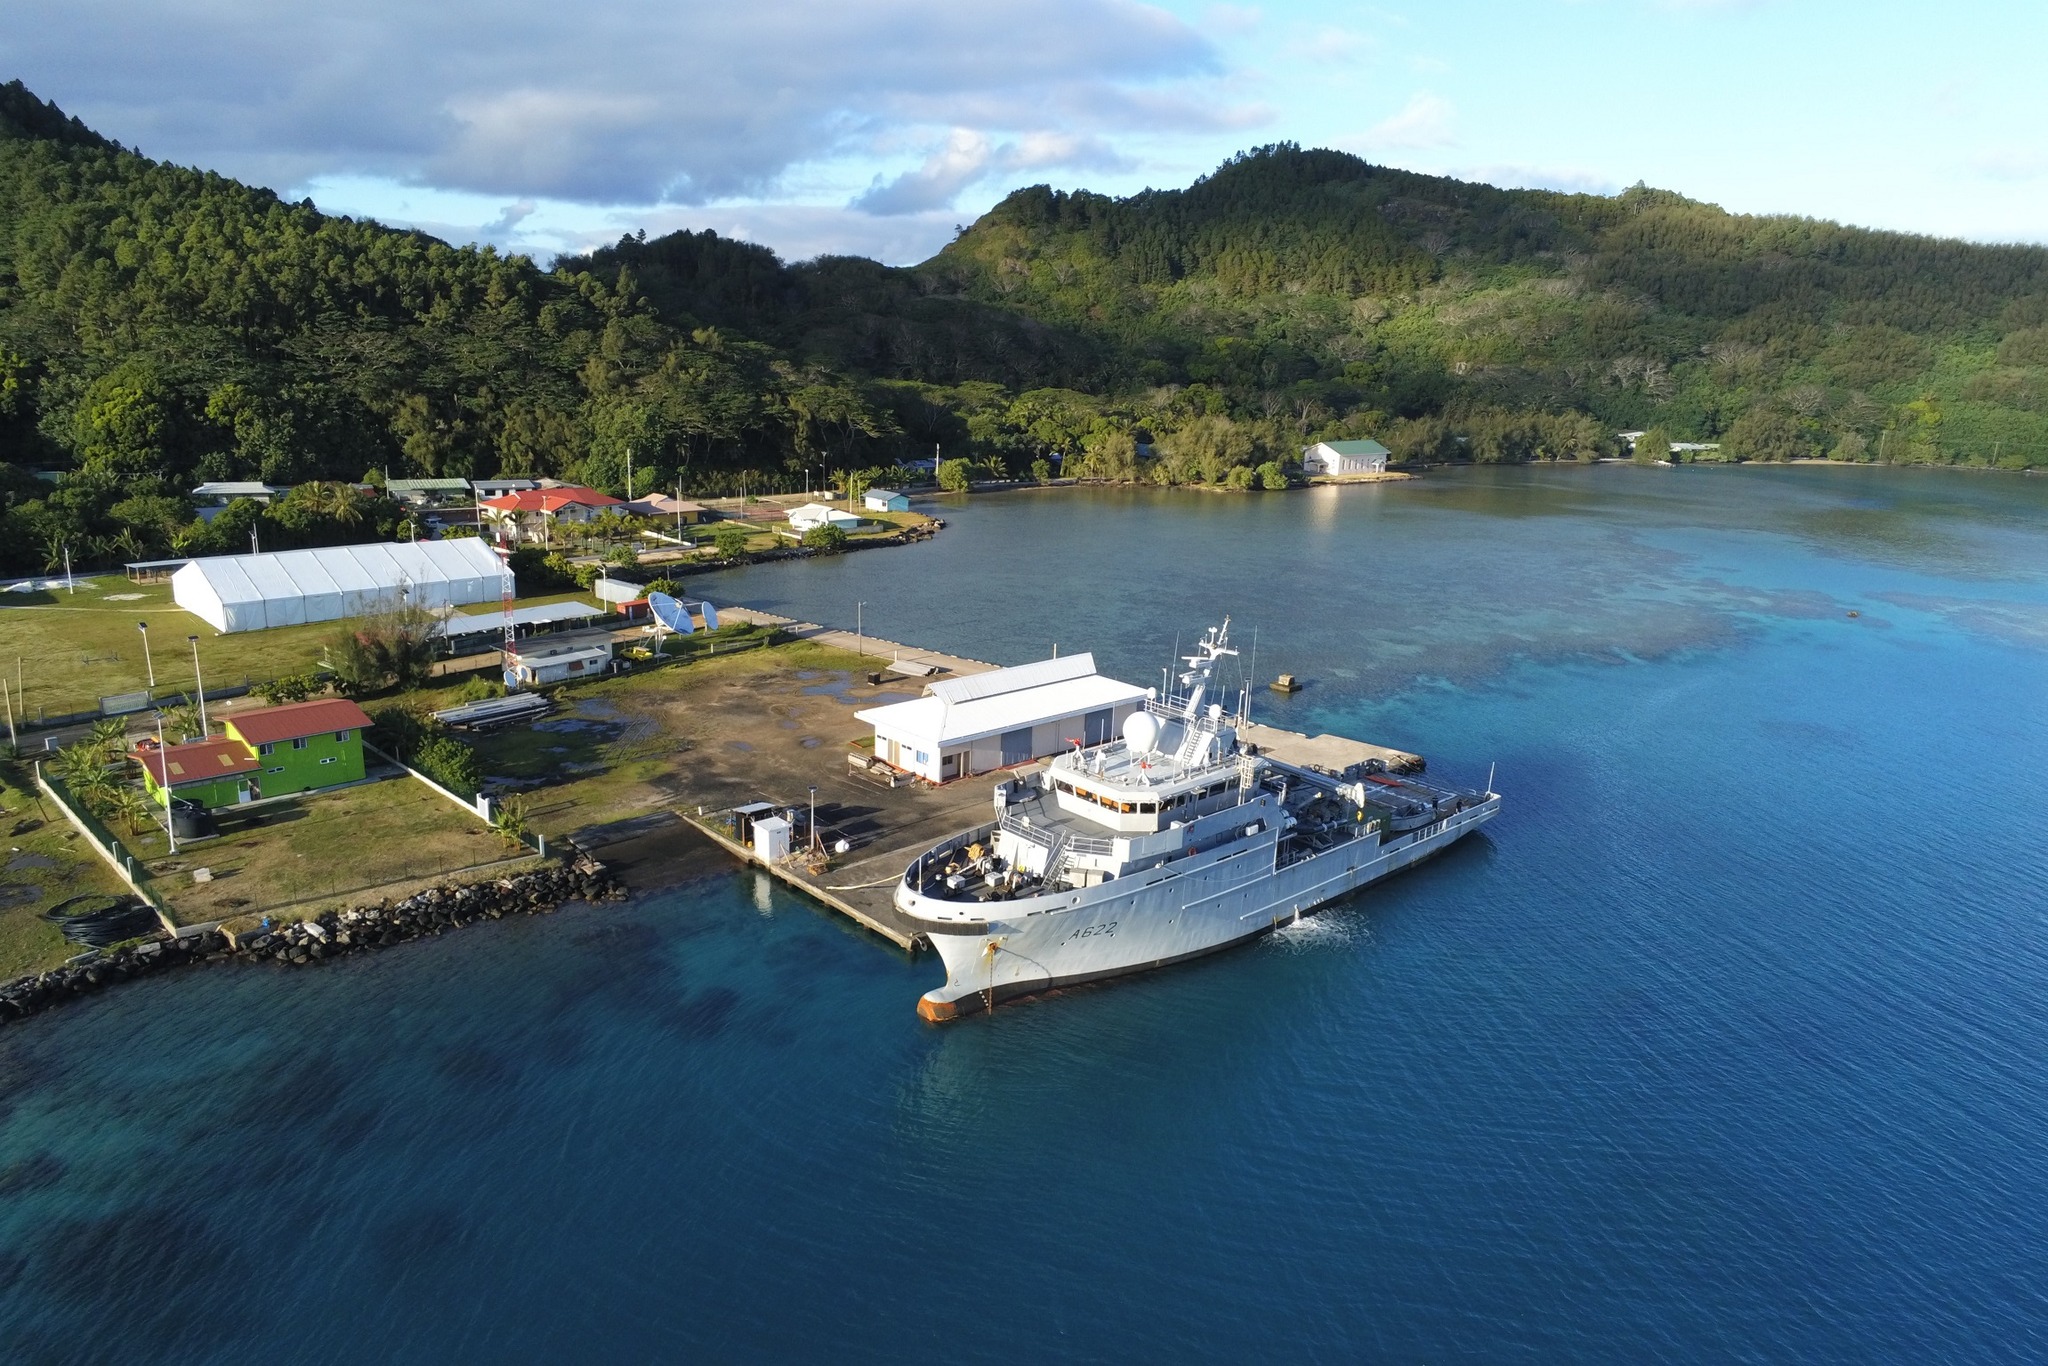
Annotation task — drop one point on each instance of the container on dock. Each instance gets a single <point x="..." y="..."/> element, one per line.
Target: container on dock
<point x="771" y="839"/>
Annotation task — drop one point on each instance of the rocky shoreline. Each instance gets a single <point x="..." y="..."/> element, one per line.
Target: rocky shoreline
<point x="333" y="934"/>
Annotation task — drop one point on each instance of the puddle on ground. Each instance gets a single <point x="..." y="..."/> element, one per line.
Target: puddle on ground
<point x="806" y="675"/>
<point x="15" y="893"/>
<point x="596" y="707"/>
<point x="741" y="745"/>
<point x="811" y="742"/>
<point x="21" y="861"/>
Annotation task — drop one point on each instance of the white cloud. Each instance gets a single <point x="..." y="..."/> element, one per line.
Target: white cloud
<point x="1426" y="121"/>
<point x="614" y="101"/>
<point x="1568" y="180"/>
<point x="969" y="156"/>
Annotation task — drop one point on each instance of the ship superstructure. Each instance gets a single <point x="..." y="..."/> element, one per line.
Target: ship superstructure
<point x="1170" y="841"/>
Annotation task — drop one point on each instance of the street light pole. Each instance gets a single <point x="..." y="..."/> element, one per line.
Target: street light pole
<point x="859" y="647"/>
<point x="814" y="820"/>
<point x="148" y="663"/>
<point x="198" y="684"/>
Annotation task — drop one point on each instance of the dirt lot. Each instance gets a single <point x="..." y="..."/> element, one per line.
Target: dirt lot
<point x="762" y="726"/>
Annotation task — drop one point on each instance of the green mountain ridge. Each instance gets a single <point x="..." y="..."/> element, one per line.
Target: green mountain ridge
<point x="161" y="325"/>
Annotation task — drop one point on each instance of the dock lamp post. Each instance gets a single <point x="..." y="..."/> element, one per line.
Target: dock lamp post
<point x="858" y="647"/>
<point x="147" y="662"/>
<point x="198" y="684"/>
<point x="814" y="820"/>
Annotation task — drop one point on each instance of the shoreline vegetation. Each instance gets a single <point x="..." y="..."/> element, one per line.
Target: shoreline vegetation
<point x="164" y="327"/>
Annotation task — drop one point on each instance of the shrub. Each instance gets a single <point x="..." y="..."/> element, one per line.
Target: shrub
<point x="449" y="762"/>
<point x="1271" y="476"/>
<point x="1652" y="446"/>
<point x="665" y="585"/>
<point x="955" y="475"/>
<point x="731" y="540"/>
<point x="290" y="688"/>
<point x="1041" y="469"/>
<point x="478" y="688"/>
<point x="826" y="540"/>
<point x="1241" y="477"/>
<point x="622" y="557"/>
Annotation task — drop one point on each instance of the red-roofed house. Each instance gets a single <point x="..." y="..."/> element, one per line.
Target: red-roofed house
<point x="214" y="773"/>
<point x="530" y="513"/>
<point x="303" y="745"/>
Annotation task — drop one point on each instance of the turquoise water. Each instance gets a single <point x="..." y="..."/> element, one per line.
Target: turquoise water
<point x="1725" y="1041"/>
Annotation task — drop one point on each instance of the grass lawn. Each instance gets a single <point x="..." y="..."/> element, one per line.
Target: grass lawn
<point x="39" y="866"/>
<point x="320" y="847"/>
<point x="76" y="648"/>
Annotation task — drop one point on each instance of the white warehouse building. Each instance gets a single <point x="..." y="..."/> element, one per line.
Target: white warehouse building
<point x="963" y="726"/>
<point x="294" y="587"/>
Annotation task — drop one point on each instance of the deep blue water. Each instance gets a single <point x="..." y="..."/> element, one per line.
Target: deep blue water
<point x="1727" y="1040"/>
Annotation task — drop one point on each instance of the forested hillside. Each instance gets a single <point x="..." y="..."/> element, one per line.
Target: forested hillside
<point x="160" y="326"/>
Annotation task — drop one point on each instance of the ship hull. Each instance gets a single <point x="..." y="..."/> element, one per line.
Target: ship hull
<point x="1155" y="919"/>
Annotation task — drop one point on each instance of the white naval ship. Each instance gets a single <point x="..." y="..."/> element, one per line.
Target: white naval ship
<point x="1170" y="842"/>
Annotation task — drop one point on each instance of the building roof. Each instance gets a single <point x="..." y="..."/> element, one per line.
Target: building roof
<point x="1353" y="447"/>
<point x="228" y="488"/>
<point x="200" y="761"/>
<point x="935" y="721"/>
<point x="427" y="485"/>
<point x="545" y="614"/>
<point x="375" y="569"/>
<point x="552" y="499"/>
<point x="480" y="485"/>
<point x="818" y="514"/>
<point x="294" y="720"/>
<point x="995" y="682"/>
<point x="662" y="505"/>
<point x="884" y="494"/>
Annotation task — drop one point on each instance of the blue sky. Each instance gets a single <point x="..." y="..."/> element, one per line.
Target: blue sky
<point x="874" y="126"/>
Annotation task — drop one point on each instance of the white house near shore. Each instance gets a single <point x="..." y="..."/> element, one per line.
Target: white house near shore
<point x="1327" y="458"/>
<point x="964" y="726"/>
<point x="817" y="514"/>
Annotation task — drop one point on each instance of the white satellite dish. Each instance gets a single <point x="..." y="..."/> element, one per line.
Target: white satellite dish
<point x="710" y="616"/>
<point x="670" y="613"/>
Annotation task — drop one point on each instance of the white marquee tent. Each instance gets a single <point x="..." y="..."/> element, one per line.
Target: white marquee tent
<point x="293" y="587"/>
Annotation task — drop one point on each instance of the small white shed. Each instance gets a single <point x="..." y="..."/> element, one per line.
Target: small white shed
<point x="1337" y="458"/>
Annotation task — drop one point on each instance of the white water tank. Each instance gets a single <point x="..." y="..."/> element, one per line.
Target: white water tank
<point x="771" y="839"/>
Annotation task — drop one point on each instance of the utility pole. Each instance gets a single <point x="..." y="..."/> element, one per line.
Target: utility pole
<point x="198" y="684"/>
<point x="859" y="647"/>
<point x="629" y="474"/>
<point x="12" y="742"/>
<point x="67" y="568"/>
<point x="148" y="663"/>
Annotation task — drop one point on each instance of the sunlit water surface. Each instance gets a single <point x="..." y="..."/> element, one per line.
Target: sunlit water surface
<point x="1726" y="1041"/>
